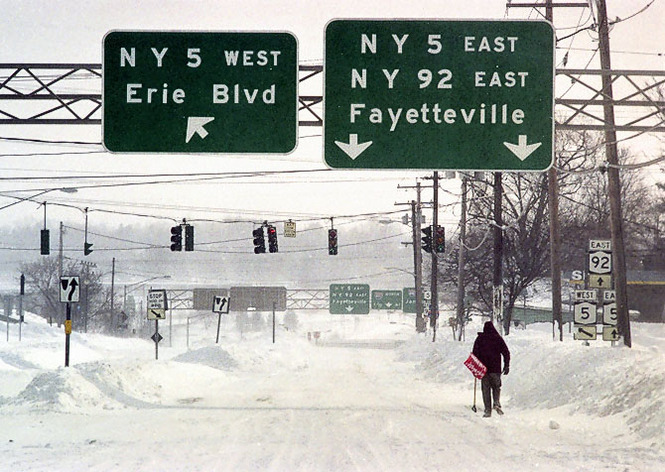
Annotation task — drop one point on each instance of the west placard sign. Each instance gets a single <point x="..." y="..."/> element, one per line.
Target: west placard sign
<point x="200" y="92"/>
<point x="460" y="95"/>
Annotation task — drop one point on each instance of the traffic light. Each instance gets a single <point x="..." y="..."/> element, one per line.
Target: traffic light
<point x="259" y="241"/>
<point x="45" y="246"/>
<point x="189" y="238"/>
<point x="87" y="248"/>
<point x="272" y="239"/>
<point x="426" y="244"/>
<point x="332" y="242"/>
<point x="176" y="238"/>
<point x="440" y="239"/>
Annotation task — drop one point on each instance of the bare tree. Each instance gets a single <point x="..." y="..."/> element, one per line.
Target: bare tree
<point x="43" y="293"/>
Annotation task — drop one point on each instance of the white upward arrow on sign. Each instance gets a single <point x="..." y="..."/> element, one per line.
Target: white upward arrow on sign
<point x="195" y="125"/>
<point x="352" y="148"/>
<point x="522" y="150"/>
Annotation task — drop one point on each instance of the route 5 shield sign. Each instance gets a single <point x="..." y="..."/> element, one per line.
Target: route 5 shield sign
<point x="585" y="313"/>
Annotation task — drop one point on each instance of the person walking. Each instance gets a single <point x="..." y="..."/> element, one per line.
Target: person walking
<point x="488" y="348"/>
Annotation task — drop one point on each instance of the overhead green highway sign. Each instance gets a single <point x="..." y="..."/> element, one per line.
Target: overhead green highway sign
<point x="349" y="299"/>
<point x="462" y="95"/>
<point x="386" y="299"/>
<point x="200" y="92"/>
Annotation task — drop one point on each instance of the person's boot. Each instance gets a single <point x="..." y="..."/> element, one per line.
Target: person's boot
<point x="498" y="409"/>
<point x="487" y="413"/>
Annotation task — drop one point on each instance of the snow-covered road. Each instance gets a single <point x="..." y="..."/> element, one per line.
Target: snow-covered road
<point x="365" y="398"/>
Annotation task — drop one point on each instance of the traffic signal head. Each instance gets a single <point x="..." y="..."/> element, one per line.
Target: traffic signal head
<point x="189" y="238"/>
<point x="259" y="241"/>
<point x="87" y="248"/>
<point x="426" y="244"/>
<point x="440" y="239"/>
<point x="272" y="239"/>
<point x="332" y="242"/>
<point x="45" y="246"/>
<point x="176" y="238"/>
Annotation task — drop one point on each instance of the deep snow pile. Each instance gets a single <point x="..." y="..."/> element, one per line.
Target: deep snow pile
<point x="596" y="380"/>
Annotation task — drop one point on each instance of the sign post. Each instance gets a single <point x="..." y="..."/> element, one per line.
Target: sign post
<point x="220" y="305"/>
<point x="157" y="306"/>
<point x="200" y="92"/>
<point x="70" y="290"/>
<point x="460" y="95"/>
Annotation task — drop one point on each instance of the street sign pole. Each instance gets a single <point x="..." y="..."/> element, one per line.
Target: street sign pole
<point x="68" y="331"/>
<point x="156" y="339"/>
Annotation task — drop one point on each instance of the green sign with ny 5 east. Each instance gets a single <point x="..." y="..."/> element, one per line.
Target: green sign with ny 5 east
<point x="200" y="92"/>
<point x="349" y="299"/>
<point x="412" y="94"/>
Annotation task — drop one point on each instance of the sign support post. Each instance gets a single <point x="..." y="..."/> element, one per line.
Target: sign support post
<point x="68" y="331"/>
<point x="70" y="289"/>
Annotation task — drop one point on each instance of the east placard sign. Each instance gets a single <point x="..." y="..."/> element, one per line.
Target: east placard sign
<point x="467" y="95"/>
<point x="200" y="92"/>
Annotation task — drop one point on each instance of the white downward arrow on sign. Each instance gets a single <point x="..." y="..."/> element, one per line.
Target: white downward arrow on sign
<point x="352" y="148"/>
<point x="195" y="125"/>
<point x="522" y="150"/>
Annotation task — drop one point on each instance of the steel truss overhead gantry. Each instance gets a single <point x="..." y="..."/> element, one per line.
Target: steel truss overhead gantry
<point x="70" y="94"/>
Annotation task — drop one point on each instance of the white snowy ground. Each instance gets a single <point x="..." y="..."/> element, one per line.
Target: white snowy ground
<point x="370" y="396"/>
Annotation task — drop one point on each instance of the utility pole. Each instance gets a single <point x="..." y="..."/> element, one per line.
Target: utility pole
<point x="113" y="320"/>
<point x="434" y="311"/>
<point x="613" y="180"/>
<point x="417" y="263"/>
<point x="555" y="233"/>
<point x="497" y="281"/>
<point x="416" y="218"/>
<point x="461" y="258"/>
<point x="61" y="315"/>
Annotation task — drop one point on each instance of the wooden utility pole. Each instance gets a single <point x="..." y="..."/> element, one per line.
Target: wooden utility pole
<point x="421" y="326"/>
<point x="613" y="181"/>
<point x="555" y="233"/>
<point x="434" y="312"/>
<point x="461" y="259"/>
<point x="497" y="280"/>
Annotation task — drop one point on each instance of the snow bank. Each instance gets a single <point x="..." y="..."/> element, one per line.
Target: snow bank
<point x="211" y="356"/>
<point x="597" y="380"/>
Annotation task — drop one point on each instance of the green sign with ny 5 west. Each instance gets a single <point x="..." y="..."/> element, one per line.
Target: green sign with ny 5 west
<point x="200" y="92"/>
<point x="412" y="94"/>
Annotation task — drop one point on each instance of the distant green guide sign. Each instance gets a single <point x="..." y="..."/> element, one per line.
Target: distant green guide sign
<point x="200" y="92"/>
<point x="409" y="300"/>
<point x="461" y="95"/>
<point x="386" y="299"/>
<point x="349" y="299"/>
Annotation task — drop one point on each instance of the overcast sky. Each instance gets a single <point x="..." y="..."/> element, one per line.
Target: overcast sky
<point x="71" y="31"/>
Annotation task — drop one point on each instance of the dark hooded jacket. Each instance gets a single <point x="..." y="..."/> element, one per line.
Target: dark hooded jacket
<point x="489" y="347"/>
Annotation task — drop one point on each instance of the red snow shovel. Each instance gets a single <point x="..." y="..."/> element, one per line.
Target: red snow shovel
<point x="478" y="370"/>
